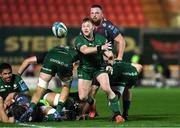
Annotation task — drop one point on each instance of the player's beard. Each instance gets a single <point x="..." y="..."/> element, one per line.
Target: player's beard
<point x="8" y="80"/>
<point x="96" y="22"/>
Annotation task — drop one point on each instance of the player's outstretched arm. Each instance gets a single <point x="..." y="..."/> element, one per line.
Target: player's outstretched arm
<point x="89" y="50"/>
<point x="121" y="46"/>
<point x="26" y="63"/>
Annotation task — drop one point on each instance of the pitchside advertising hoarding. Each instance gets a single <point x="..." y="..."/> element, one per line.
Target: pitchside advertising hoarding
<point x="165" y="43"/>
<point x="16" y="44"/>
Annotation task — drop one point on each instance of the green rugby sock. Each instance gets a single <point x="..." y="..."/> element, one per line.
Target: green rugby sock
<point x="59" y="106"/>
<point x="114" y="105"/>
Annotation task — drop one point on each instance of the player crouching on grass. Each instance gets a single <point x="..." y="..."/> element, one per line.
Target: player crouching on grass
<point x="59" y="60"/>
<point x="122" y="77"/>
<point x="16" y="104"/>
<point x="45" y="109"/>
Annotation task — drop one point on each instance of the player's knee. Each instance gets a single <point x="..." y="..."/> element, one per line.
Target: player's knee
<point x="1" y="99"/>
<point x="83" y="98"/>
<point x="138" y="67"/>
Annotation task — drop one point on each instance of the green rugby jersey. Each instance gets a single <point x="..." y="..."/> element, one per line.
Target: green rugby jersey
<point x="59" y="60"/>
<point x="16" y="85"/>
<point x="90" y="61"/>
<point x="124" y="74"/>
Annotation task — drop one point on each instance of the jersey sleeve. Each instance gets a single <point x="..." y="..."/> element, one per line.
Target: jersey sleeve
<point x="22" y="86"/>
<point x="40" y="57"/>
<point x="112" y="30"/>
<point x="78" y="43"/>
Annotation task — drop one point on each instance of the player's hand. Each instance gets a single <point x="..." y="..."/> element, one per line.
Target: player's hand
<point x="109" y="69"/>
<point x="106" y="46"/>
<point x="26" y="116"/>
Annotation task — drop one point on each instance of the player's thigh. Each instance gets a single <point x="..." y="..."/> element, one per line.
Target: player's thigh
<point x="1" y="102"/>
<point x="103" y="79"/>
<point x="84" y="82"/>
<point x="50" y="97"/>
<point x="84" y="87"/>
<point x="94" y="89"/>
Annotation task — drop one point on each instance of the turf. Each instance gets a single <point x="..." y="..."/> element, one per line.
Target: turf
<point x="151" y="107"/>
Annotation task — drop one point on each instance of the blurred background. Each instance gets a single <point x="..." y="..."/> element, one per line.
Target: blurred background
<point x="150" y="28"/>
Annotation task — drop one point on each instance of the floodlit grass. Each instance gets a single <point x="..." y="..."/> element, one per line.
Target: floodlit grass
<point x="151" y="107"/>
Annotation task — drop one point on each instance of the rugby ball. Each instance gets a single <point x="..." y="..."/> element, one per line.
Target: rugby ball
<point x="59" y="29"/>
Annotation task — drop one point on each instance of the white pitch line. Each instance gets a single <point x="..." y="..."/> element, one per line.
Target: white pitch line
<point x="32" y="125"/>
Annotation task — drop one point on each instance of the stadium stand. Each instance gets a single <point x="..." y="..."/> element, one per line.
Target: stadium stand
<point x="127" y="13"/>
<point x="154" y="13"/>
<point x="172" y="10"/>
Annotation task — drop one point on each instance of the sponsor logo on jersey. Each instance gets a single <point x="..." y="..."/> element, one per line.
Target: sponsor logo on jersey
<point x="56" y="61"/>
<point x="2" y="89"/>
<point x="115" y="30"/>
<point x="130" y="73"/>
<point x="23" y="86"/>
<point x="7" y="86"/>
<point x="109" y="26"/>
<point x="80" y="75"/>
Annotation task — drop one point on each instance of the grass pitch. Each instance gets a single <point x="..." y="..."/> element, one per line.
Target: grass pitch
<point x="151" y="107"/>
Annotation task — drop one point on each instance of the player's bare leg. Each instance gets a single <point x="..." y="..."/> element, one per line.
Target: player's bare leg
<point x="92" y="108"/>
<point x="84" y="87"/>
<point x="103" y="79"/>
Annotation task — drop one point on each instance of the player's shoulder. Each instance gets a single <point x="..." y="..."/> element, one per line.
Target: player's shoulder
<point x="16" y="76"/>
<point x="1" y="81"/>
<point x="79" y="37"/>
<point x="107" y="24"/>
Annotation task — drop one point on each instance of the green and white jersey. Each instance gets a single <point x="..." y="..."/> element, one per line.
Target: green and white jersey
<point x="90" y="61"/>
<point x="124" y="74"/>
<point x="59" y="60"/>
<point x="16" y="85"/>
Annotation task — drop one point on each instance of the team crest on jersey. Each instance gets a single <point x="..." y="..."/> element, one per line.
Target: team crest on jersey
<point x="15" y="85"/>
<point x="104" y="24"/>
